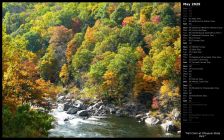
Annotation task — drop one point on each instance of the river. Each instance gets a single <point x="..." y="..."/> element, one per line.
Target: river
<point x="110" y="126"/>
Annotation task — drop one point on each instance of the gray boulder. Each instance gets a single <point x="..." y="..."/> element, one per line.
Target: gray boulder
<point x="152" y="121"/>
<point x="67" y="106"/>
<point x="78" y="102"/>
<point x="112" y="110"/>
<point x="175" y="114"/>
<point x="61" y="99"/>
<point x="98" y="104"/>
<point x="69" y="96"/>
<point x="138" y="116"/>
<point x="83" y="113"/>
<point x="168" y="126"/>
<point x="72" y="110"/>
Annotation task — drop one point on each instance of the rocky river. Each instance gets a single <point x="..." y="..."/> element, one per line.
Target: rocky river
<point x="73" y="118"/>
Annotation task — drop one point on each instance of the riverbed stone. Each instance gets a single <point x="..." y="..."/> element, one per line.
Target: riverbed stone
<point x="72" y="110"/>
<point x="82" y="113"/>
<point x="168" y="126"/>
<point x="69" y="96"/>
<point x="97" y="105"/>
<point x="78" y="102"/>
<point x="138" y="116"/>
<point x="67" y="106"/>
<point x="152" y="121"/>
<point x="112" y="110"/>
<point x="61" y="99"/>
<point x="175" y="114"/>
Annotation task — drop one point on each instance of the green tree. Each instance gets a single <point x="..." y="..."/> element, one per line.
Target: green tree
<point x="131" y="35"/>
<point x="34" y="41"/>
<point x="118" y="15"/>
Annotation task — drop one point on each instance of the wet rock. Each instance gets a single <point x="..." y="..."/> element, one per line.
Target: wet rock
<point x="122" y="113"/>
<point x="72" y="110"/>
<point x="118" y="112"/>
<point x="139" y="116"/>
<point x="152" y="121"/>
<point x="67" y="106"/>
<point x="112" y="110"/>
<point x="90" y="108"/>
<point x="101" y="111"/>
<point x="82" y="113"/>
<point x="66" y="119"/>
<point x="78" y="102"/>
<point x="80" y="106"/>
<point x="168" y="126"/>
<point x="60" y="107"/>
<point x="98" y="104"/>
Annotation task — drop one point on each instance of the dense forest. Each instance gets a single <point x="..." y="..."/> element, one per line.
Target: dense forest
<point x="117" y="52"/>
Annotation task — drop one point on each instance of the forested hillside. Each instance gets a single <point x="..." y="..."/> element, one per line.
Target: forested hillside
<point x="117" y="52"/>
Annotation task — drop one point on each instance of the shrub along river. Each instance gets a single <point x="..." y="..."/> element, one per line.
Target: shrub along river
<point x="67" y="125"/>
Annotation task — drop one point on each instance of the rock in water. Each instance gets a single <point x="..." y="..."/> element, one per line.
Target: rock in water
<point x="168" y="126"/>
<point x="60" y="107"/>
<point x="67" y="106"/>
<point x="82" y="113"/>
<point x="139" y="116"/>
<point x="98" y="104"/>
<point x="152" y="121"/>
<point x="112" y="110"/>
<point x="72" y="110"/>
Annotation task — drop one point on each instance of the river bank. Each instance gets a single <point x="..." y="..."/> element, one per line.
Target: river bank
<point x="80" y="110"/>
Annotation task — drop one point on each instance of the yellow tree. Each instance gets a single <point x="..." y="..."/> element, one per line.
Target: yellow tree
<point x="64" y="75"/>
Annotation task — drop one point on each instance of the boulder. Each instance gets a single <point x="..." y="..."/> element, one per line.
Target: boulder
<point x="69" y="96"/>
<point x="118" y="112"/>
<point x="139" y="116"/>
<point x="78" y="102"/>
<point x="67" y="106"/>
<point x="175" y="114"/>
<point x="72" y="110"/>
<point x="112" y="110"/>
<point x="97" y="105"/>
<point x="89" y="108"/>
<point x="61" y="99"/>
<point x="83" y="113"/>
<point x="152" y="121"/>
<point x="80" y="106"/>
<point x="60" y="107"/>
<point x="102" y="107"/>
<point x="168" y="126"/>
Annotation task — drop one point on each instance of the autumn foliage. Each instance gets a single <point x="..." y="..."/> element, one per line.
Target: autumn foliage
<point x="111" y="51"/>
